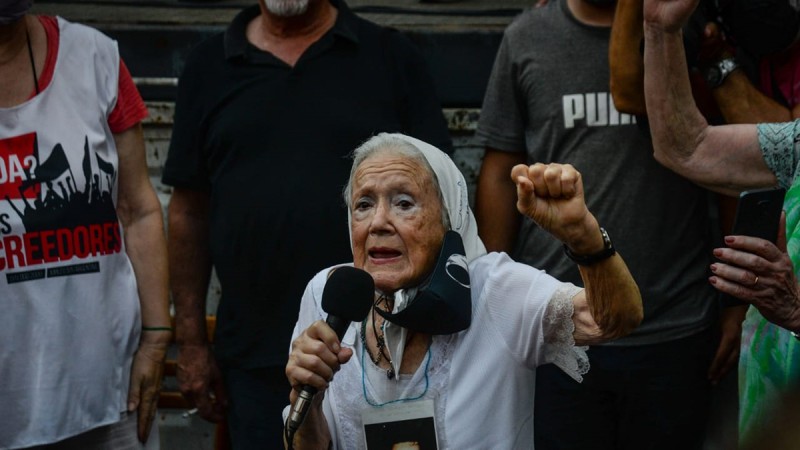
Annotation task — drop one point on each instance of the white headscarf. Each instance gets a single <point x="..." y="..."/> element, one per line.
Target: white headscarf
<point x="454" y="192"/>
<point x="453" y="188"/>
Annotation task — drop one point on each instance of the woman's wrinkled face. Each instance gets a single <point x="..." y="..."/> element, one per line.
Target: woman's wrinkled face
<point x="396" y="221"/>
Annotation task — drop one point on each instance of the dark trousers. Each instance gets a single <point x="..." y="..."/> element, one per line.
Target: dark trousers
<point x="637" y="397"/>
<point x="257" y="399"/>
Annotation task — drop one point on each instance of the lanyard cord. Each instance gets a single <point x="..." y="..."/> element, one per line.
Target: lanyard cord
<point x="33" y="64"/>
<point x="399" y="400"/>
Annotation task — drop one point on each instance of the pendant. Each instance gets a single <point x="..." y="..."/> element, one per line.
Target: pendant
<point x="390" y="373"/>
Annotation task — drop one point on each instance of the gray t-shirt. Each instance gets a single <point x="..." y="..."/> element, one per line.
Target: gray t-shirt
<point x="549" y="95"/>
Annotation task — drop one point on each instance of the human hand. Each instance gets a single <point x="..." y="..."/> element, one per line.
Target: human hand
<point x="200" y="381"/>
<point x="668" y="15"/>
<point x="147" y="371"/>
<point x="316" y="355"/>
<point x="760" y="273"/>
<point x="727" y="355"/>
<point x="552" y="195"/>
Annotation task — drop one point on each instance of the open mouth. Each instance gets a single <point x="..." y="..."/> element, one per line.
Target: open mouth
<point x="383" y="253"/>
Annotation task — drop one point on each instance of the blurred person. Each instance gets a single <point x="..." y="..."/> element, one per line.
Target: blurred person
<point x="729" y="159"/>
<point x="738" y="35"/>
<point x="266" y="114"/>
<point x="85" y="322"/>
<point x="765" y="31"/>
<point x="654" y="385"/>
<point x="444" y="347"/>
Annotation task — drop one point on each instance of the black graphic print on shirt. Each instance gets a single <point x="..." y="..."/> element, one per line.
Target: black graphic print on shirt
<point x="51" y="214"/>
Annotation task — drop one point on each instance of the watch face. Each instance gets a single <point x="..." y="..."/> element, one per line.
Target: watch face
<point x="728" y="65"/>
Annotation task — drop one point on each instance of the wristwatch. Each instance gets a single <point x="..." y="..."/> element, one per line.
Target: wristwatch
<point x="717" y="73"/>
<point x="587" y="260"/>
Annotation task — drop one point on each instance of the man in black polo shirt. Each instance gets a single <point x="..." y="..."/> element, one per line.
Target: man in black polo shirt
<point x="266" y="116"/>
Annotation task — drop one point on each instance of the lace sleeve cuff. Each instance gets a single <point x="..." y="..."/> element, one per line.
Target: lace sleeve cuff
<point x="558" y="329"/>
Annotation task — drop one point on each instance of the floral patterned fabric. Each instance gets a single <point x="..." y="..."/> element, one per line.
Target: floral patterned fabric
<point x="770" y="360"/>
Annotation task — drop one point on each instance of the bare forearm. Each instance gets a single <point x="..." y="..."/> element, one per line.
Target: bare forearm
<point x="498" y="222"/>
<point x="190" y="265"/>
<point x="139" y="213"/>
<point x="726" y="159"/>
<point x="612" y="306"/>
<point x="612" y="297"/>
<point x="147" y="250"/>
<point x="625" y="58"/>
<point x="495" y="208"/>
<point x="677" y="125"/>
<point x="740" y="102"/>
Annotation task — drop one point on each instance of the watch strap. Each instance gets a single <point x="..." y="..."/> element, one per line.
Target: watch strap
<point x="587" y="260"/>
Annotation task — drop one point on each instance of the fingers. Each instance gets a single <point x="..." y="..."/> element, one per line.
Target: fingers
<point x="305" y="369"/>
<point x="211" y="400"/>
<point x="745" y="291"/>
<point x="146" y="374"/>
<point x="725" y="359"/>
<point x="751" y="245"/>
<point x="743" y="277"/>
<point x="316" y="355"/>
<point x="525" y="192"/>
<point x="750" y="265"/>
<point x="200" y="382"/>
<point x="344" y="355"/>
<point x="546" y="180"/>
<point x="520" y="176"/>
<point x="133" y="393"/>
<point x="207" y="407"/>
<point x="716" y="365"/>
<point x="147" y="411"/>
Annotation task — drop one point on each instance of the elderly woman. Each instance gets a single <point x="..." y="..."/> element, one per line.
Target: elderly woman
<point x="472" y="382"/>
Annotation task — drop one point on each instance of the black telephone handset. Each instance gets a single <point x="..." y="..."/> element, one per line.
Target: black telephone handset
<point x="758" y="214"/>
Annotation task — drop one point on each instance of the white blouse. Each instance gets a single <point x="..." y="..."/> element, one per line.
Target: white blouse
<point x="482" y="379"/>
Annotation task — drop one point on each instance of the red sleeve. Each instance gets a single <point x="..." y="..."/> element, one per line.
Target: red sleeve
<point x="130" y="108"/>
<point x="50" y="25"/>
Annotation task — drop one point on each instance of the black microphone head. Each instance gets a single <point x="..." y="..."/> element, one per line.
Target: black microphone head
<point x="348" y="294"/>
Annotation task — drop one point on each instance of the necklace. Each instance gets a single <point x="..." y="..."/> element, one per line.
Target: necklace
<point x="381" y="341"/>
<point x="30" y="56"/>
<point x="380" y="338"/>
<point x="377" y="404"/>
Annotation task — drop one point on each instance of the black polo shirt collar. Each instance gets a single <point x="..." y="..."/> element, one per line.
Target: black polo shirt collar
<point x="236" y="44"/>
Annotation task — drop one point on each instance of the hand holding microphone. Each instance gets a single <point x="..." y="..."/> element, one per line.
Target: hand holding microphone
<point x="347" y="297"/>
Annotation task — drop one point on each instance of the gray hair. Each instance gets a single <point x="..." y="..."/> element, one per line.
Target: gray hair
<point x="385" y="143"/>
<point x="287" y="8"/>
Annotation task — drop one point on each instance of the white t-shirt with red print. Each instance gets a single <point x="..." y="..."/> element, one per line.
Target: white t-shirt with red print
<point x="70" y="319"/>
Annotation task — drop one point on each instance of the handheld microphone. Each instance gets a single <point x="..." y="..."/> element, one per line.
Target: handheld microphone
<point x="347" y="297"/>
